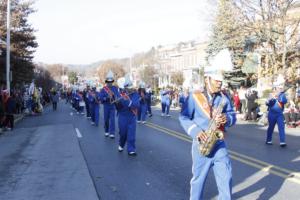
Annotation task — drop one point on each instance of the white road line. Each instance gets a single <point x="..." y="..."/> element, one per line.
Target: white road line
<point x="78" y="133"/>
<point x="71" y="113"/>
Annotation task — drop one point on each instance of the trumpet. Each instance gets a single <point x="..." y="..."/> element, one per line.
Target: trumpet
<point x="124" y="96"/>
<point x="110" y="94"/>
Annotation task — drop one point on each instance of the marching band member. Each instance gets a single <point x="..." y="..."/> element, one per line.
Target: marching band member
<point x="74" y="101"/>
<point x="195" y="118"/>
<point x="95" y="106"/>
<point x="164" y="101"/>
<point x="90" y="100"/>
<point x="81" y="103"/>
<point x="183" y="97"/>
<point x="127" y="109"/>
<point x="78" y="98"/>
<point x="168" y="101"/>
<point x="97" y="102"/>
<point x="86" y="101"/>
<point x="107" y="96"/>
<point x="142" y="111"/>
<point x="148" y="100"/>
<point x="275" y="107"/>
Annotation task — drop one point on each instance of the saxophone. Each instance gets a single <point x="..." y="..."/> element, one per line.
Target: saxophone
<point x="213" y="134"/>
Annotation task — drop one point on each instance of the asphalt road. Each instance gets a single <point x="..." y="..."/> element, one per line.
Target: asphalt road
<point x="161" y="170"/>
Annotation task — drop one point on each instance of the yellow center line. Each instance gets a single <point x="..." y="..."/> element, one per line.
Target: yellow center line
<point x="261" y="165"/>
<point x="169" y="132"/>
<point x="291" y="173"/>
<point x="267" y="169"/>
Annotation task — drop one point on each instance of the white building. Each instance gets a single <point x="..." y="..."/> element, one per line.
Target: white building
<point x="183" y="57"/>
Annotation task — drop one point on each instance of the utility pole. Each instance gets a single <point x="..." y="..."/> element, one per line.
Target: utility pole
<point x="8" y="47"/>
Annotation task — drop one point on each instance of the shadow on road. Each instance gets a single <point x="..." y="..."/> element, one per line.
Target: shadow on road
<point x="250" y="142"/>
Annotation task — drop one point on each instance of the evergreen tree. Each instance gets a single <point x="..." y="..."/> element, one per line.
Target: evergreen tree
<point x="226" y="31"/>
<point x="23" y="40"/>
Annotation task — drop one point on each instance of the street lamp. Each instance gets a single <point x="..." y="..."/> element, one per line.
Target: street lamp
<point x="8" y="47"/>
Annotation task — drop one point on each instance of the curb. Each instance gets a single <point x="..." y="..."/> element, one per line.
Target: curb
<point x="19" y="118"/>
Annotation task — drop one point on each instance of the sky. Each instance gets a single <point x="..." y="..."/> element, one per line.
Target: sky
<point x="86" y="31"/>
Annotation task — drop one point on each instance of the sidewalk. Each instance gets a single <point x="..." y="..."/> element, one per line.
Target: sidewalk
<point x="291" y="131"/>
<point x="19" y="117"/>
<point x="44" y="162"/>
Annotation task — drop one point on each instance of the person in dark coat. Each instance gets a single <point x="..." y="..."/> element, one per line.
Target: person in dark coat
<point x="10" y="110"/>
<point x="251" y="97"/>
<point x="2" y="114"/>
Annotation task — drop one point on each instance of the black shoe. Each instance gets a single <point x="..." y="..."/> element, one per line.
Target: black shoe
<point x="132" y="153"/>
<point x="150" y="115"/>
<point x="282" y="144"/>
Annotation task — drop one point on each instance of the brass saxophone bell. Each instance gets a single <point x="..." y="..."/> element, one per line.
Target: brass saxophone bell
<point x="220" y="135"/>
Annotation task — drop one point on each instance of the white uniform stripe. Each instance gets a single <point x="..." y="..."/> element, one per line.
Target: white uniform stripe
<point x="191" y="128"/>
<point x="129" y="103"/>
<point x="230" y="118"/>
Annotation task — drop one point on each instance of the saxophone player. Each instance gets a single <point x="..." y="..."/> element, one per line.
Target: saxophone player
<point x="195" y="118"/>
<point x="95" y="106"/>
<point x="275" y="104"/>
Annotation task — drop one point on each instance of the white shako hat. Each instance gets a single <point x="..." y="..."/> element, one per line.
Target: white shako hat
<point x="220" y="63"/>
<point x="109" y="77"/>
<point x="128" y="82"/>
<point x="142" y="84"/>
<point x="121" y="82"/>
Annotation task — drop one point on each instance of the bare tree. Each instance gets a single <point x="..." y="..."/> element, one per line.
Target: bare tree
<point x="116" y="68"/>
<point x="275" y="25"/>
<point x="147" y="75"/>
<point x="177" y="78"/>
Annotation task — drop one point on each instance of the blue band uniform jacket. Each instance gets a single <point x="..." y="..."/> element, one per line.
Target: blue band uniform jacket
<point x="195" y="115"/>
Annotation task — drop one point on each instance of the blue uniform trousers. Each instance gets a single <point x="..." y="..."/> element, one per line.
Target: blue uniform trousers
<point x="96" y="114"/>
<point x="77" y="105"/>
<point x="220" y="162"/>
<point x="149" y="108"/>
<point x="167" y="108"/>
<point x="163" y="107"/>
<point x="87" y="108"/>
<point x="274" y="118"/>
<point x="142" y="111"/>
<point x="109" y="119"/>
<point x="92" y="107"/>
<point x="127" y="129"/>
